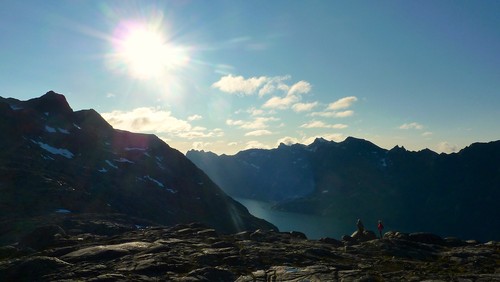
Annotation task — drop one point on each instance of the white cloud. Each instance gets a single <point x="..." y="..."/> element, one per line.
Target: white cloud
<point x="110" y="95"/>
<point x="287" y="140"/>
<point x="344" y="114"/>
<point x="341" y="114"/>
<point x="268" y="88"/>
<point x="293" y="96"/>
<point x="234" y="122"/>
<point x="200" y="133"/>
<point x="232" y="144"/>
<point x="300" y="87"/>
<point x="273" y="84"/>
<point x="238" y="84"/>
<point x="412" y="125"/>
<point x="256" y="145"/>
<point x="304" y="107"/>
<point x="342" y="103"/>
<point x="446" y="147"/>
<point x="255" y="112"/>
<point x="320" y="124"/>
<point x="260" y="132"/>
<point x="256" y="123"/>
<point x="427" y="134"/>
<point x="146" y="120"/>
<point x="159" y="122"/>
<point x="194" y="117"/>
<point x="281" y="103"/>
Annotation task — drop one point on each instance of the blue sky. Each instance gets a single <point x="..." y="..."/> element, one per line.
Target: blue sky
<point x="230" y="75"/>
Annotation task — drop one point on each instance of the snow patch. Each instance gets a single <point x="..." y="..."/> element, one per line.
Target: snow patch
<point x="124" y="160"/>
<point x="46" y="114"/>
<point x="135" y="149"/>
<point x="103" y="170"/>
<point x="47" y="158"/>
<point x="55" y="151"/>
<point x="75" y="125"/>
<point x="110" y="164"/>
<point x="62" y="130"/>
<point x="154" y="180"/>
<point x="255" y="166"/>
<point x="63" y="211"/>
<point x="50" y="129"/>
<point x="15" y="107"/>
<point x="171" y="190"/>
<point x="383" y="162"/>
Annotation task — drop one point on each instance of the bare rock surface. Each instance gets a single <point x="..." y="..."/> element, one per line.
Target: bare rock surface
<point x="195" y="252"/>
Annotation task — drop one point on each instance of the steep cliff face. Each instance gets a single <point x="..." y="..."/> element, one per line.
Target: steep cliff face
<point x="55" y="160"/>
<point x="443" y="193"/>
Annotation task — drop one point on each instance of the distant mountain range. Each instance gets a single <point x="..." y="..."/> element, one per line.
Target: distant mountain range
<point x="54" y="160"/>
<point x="451" y="194"/>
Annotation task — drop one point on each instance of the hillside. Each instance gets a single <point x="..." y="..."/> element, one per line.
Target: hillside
<point x="58" y="161"/>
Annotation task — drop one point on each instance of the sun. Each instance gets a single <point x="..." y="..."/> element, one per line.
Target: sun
<point x="145" y="52"/>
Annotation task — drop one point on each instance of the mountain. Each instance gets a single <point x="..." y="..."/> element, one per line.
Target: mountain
<point x="58" y="161"/>
<point x="453" y="194"/>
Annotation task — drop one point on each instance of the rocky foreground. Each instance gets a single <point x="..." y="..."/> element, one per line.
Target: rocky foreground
<point x="101" y="250"/>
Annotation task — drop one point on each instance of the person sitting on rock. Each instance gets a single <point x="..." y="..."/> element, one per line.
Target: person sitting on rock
<point x="361" y="227"/>
<point x="380" y="227"/>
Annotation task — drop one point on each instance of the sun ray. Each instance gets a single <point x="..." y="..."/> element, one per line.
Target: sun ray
<point x="143" y="50"/>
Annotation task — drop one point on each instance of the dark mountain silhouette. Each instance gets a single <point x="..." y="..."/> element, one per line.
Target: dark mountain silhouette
<point x="57" y="161"/>
<point x="453" y="194"/>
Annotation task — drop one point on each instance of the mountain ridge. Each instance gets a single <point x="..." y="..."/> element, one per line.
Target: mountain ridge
<point x="355" y="178"/>
<point x="55" y="159"/>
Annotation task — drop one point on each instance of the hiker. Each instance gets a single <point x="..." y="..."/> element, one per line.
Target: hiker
<point x="361" y="227"/>
<point x="380" y="227"/>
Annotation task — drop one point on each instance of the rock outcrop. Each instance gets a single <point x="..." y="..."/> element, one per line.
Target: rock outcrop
<point x="196" y="252"/>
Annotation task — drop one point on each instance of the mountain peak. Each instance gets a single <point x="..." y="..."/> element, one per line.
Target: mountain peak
<point x="51" y="102"/>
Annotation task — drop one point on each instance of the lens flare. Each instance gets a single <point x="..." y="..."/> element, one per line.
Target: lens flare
<point x="143" y="50"/>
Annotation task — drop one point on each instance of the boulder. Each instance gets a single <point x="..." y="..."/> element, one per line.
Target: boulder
<point x="366" y="235"/>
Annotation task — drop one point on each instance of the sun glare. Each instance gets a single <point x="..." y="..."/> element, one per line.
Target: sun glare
<point x="144" y="52"/>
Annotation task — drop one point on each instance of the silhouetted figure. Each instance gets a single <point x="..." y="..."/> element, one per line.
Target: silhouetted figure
<point x="380" y="227"/>
<point x="361" y="227"/>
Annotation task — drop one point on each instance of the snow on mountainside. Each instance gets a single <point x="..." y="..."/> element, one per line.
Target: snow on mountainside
<point x="54" y="159"/>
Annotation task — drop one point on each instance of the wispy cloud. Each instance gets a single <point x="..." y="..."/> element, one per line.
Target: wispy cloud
<point x="413" y="125"/>
<point x="320" y="124"/>
<point x="304" y="107"/>
<point x="194" y="117"/>
<point x="342" y="103"/>
<point x="260" y="132"/>
<point x="427" y="134"/>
